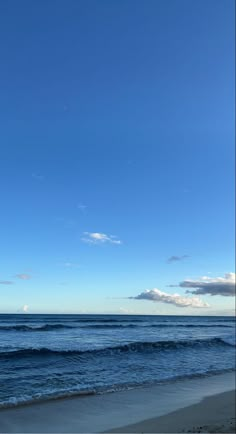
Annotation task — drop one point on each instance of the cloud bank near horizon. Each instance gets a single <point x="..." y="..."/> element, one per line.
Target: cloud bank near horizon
<point x="178" y="300"/>
<point x="224" y="286"/>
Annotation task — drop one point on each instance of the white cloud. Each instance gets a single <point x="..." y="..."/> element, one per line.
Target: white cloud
<point x="100" y="238"/>
<point x="23" y="276"/>
<point x="178" y="300"/>
<point x="209" y="285"/>
<point x="25" y="308"/>
<point x="6" y="282"/>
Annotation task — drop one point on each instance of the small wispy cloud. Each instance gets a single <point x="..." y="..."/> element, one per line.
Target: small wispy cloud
<point x="25" y="308"/>
<point x="178" y="300"/>
<point x="71" y="265"/>
<point x="6" y="282"/>
<point x="100" y="238"/>
<point x="37" y="176"/>
<point x="23" y="276"/>
<point x="125" y="311"/>
<point x="224" y="286"/>
<point x="176" y="258"/>
<point x="81" y="207"/>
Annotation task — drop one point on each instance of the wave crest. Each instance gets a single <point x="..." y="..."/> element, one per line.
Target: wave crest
<point x="129" y="347"/>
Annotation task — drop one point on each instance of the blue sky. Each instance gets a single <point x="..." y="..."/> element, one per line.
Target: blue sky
<point x="117" y="155"/>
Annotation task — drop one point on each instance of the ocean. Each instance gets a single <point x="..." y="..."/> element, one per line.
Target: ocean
<point x="53" y="356"/>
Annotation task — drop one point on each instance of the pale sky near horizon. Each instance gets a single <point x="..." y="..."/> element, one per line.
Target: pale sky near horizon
<point x="117" y="156"/>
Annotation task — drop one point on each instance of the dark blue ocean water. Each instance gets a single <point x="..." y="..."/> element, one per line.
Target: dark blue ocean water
<point x="49" y="356"/>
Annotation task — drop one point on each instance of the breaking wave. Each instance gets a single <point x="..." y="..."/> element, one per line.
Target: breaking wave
<point x="129" y="347"/>
<point x="51" y="327"/>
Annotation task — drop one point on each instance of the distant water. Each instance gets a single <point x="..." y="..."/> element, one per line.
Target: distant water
<point x="51" y="356"/>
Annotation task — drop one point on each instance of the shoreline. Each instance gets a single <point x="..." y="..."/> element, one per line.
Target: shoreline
<point x="214" y="414"/>
<point x="119" y="411"/>
<point x="93" y="392"/>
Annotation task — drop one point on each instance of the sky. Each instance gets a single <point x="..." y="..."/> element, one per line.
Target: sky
<point x="117" y="156"/>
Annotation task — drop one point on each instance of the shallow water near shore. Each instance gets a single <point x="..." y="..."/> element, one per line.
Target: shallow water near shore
<point x="54" y="356"/>
<point x="108" y="412"/>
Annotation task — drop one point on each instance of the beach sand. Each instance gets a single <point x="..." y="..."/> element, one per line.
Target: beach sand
<point x="189" y="405"/>
<point x="215" y="414"/>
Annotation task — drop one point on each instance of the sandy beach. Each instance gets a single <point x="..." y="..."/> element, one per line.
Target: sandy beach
<point x="215" y="414"/>
<point x="191" y="405"/>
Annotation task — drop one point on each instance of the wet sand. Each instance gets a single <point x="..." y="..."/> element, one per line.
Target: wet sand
<point x="171" y="407"/>
<point x="215" y="414"/>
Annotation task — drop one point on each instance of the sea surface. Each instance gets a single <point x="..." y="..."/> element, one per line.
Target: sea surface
<point x="53" y="356"/>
